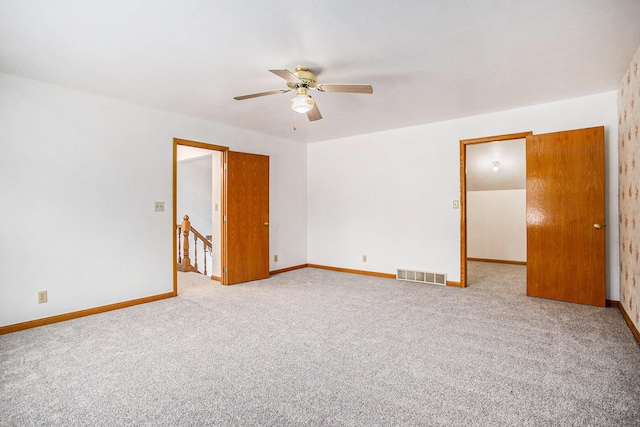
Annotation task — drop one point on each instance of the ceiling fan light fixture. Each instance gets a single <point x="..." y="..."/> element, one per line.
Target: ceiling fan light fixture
<point x="301" y="103"/>
<point x="303" y="80"/>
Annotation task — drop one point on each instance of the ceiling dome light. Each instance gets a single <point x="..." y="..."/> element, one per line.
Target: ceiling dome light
<point x="496" y="166"/>
<point x="302" y="103"/>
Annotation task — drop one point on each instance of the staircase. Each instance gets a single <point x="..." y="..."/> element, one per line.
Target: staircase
<point x="187" y="261"/>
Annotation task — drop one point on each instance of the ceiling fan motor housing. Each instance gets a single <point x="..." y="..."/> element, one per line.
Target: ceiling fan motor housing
<point x="309" y="80"/>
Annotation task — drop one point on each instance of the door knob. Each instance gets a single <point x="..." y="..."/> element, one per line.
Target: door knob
<point x="267" y="223"/>
<point x="597" y="226"/>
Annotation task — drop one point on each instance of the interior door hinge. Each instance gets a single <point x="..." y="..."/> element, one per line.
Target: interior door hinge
<point x="225" y="270"/>
<point x="224" y="167"/>
<point x="224" y="218"/>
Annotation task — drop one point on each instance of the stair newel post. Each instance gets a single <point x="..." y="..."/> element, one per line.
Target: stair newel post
<point x="195" y="255"/>
<point x="186" y="229"/>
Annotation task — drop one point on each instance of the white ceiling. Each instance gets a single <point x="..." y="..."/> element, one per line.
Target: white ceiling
<point x="512" y="165"/>
<point x="185" y="152"/>
<point x="427" y="60"/>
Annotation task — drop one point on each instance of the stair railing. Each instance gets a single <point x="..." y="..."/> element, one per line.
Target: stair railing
<point x="184" y="231"/>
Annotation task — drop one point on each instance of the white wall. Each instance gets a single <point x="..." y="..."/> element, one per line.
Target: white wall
<point x="389" y="194"/>
<point x="195" y="192"/>
<point x="497" y="225"/>
<point x="78" y="191"/>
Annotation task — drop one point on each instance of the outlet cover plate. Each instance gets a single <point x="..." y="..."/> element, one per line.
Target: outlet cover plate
<point x="42" y="297"/>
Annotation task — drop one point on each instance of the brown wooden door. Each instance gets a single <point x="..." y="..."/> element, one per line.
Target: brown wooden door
<point x="247" y="218"/>
<point x="565" y="216"/>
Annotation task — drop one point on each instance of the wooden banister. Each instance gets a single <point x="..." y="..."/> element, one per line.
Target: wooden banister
<point x="201" y="237"/>
<point x="184" y="259"/>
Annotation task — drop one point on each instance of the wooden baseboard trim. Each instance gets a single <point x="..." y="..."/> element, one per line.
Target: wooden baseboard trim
<point x="627" y="319"/>
<point x="348" y="270"/>
<point x="499" y="261"/>
<point x="612" y="303"/>
<point x="454" y="284"/>
<point x="284" y="270"/>
<point x="82" y="313"/>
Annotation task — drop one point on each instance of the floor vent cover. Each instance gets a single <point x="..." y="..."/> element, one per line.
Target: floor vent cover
<point x="422" y="277"/>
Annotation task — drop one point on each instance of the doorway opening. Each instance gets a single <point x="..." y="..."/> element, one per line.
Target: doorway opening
<point x="484" y="195"/>
<point x="199" y="192"/>
<point x="565" y="212"/>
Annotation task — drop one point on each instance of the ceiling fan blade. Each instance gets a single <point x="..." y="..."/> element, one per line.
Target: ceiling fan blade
<point x="346" y="88"/>
<point x="314" y="114"/>
<point x="287" y="75"/>
<point x="255" y="95"/>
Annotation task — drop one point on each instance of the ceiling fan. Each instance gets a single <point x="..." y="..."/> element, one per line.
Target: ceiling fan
<point x="302" y="80"/>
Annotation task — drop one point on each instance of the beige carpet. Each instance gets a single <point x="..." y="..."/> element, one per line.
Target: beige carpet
<point x="320" y="348"/>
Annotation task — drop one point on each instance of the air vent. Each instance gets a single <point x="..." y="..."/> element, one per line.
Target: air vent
<point x="422" y="277"/>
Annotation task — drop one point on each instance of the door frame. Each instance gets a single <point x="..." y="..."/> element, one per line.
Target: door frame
<point x="223" y="202"/>
<point x="463" y="193"/>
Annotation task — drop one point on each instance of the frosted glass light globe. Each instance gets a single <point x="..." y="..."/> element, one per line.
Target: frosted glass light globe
<point x="301" y="103"/>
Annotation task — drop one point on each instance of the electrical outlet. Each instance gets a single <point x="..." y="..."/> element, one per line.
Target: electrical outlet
<point x="364" y="258"/>
<point x="275" y="258"/>
<point x="159" y="207"/>
<point x="42" y="297"/>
